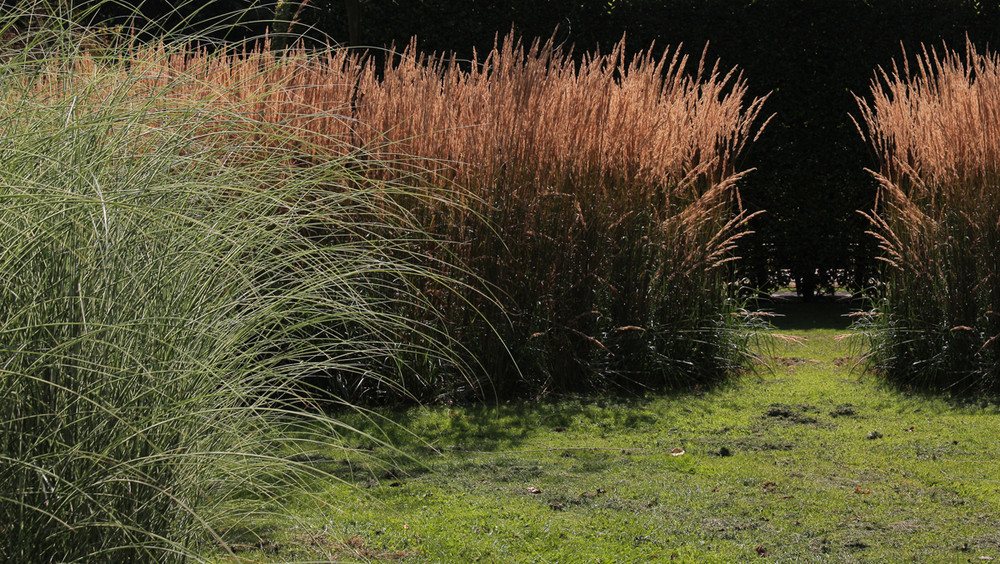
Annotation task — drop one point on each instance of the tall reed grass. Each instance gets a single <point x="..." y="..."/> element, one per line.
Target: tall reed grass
<point x="936" y="128"/>
<point x="174" y="271"/>
<point x="600" y="199"/>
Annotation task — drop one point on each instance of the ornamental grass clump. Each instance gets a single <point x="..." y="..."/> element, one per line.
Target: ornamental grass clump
<point x="936" y="129"/>
<point x="174" y="272"/>
<point x="605" y="206"/>
<point x="599" y="199"/>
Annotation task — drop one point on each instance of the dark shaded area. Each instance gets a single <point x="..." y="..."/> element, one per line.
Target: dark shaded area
<point x="793" y="313"/>
<point x="222" y="20"/>
<point x="473" y="428"/>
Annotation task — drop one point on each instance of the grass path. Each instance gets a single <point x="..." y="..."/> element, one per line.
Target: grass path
<point x="808" y="463"/>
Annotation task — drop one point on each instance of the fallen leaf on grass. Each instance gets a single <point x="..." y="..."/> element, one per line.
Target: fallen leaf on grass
<point x="594" y="494"/>
<point x="677" y="451"/>
<point x="534" y="490"/>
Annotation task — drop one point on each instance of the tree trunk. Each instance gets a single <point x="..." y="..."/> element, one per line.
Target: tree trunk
<point x="353" y="8"/>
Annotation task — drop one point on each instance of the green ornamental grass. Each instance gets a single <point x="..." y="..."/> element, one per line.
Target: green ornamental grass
<point x="174" y="272"/>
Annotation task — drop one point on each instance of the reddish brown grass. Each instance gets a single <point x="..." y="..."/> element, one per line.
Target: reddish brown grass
<point x="936" y="127"/>
<point x="599" y="200"/>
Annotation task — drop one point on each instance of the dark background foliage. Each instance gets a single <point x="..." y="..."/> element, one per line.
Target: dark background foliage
<point x="811" y="55"/>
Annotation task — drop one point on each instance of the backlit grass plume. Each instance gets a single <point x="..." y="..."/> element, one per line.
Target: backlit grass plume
<point x="936" y="127"/>
<point x="600" y="200"/>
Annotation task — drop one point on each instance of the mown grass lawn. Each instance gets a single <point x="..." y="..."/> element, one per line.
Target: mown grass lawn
<point x="810" y="462"/>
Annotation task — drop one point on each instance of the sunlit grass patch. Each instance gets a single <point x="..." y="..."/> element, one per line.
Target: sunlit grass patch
<point x="811" y="461"/>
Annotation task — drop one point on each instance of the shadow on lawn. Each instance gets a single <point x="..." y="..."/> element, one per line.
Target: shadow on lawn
<point x="824" y="312"/>
<point x="477" y="427"/>
<point x="500" y="428"/>
<point x="418" y="435"/>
